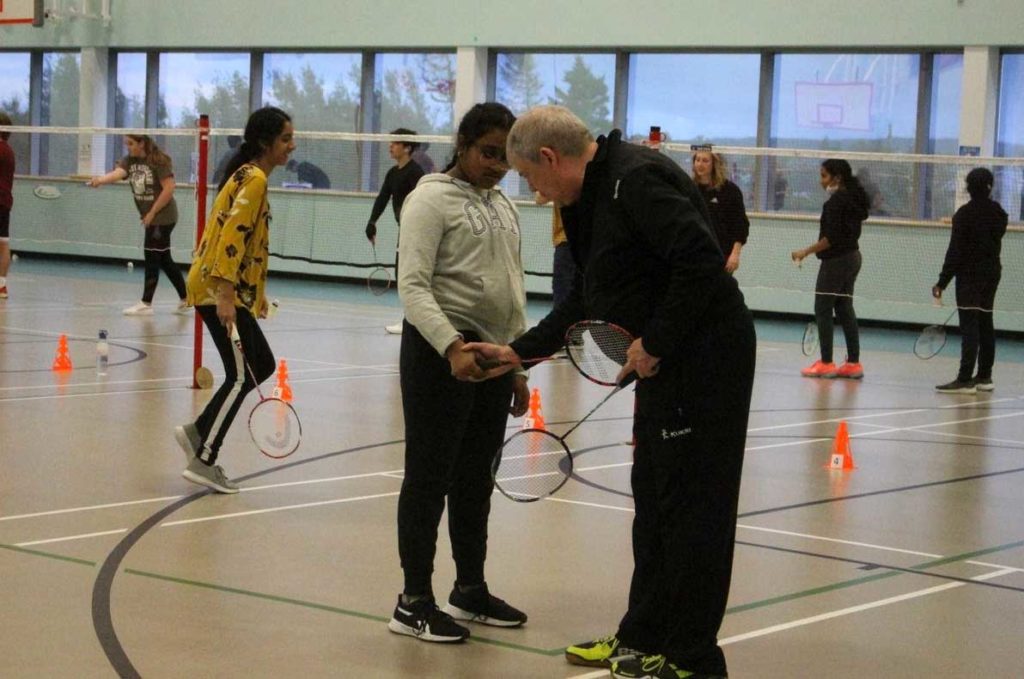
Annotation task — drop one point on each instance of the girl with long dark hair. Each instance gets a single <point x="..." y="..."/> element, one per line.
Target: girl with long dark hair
<point x="227" y="285"/>
<point x="837" y="248"/>
<point x="151" y="178"/>
<point x="461" y="280"/>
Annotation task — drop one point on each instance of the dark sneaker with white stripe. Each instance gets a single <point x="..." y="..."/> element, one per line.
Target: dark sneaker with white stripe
<point x="425" y="621"/>
<point x="984" y="384"/>
<point x="958" y="386"/>
<point x="479" y="605"/>
<point x="655" y="667"/>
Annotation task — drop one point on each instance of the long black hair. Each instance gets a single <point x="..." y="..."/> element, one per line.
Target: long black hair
<point x="837" y="167"/>
<point x="262" y="128"/>
<point x="477" y="122"/>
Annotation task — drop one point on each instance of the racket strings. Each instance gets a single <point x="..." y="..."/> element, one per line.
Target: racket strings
<point x="598" y="351"/>
<point x="532" y="464"/>
<point x="275" y="428"/>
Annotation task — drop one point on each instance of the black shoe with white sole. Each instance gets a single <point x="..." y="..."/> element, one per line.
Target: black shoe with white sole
<point x="425" y="621"/>
<point x="479" y="605"/>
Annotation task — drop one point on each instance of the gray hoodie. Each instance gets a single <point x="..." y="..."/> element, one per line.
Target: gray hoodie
<point x="460" y="266"/>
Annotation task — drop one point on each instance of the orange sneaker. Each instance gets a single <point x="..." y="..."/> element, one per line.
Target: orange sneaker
<point x="820" y="369"/>
<point x="850" y="371"/>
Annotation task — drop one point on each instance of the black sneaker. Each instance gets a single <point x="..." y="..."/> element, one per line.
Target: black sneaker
<point x="655" y="667"/>
<point x="958" y="386"/>
<point x="422" y="619"/>
<point x="984" y="384"/>
<point x="479" y="605"/>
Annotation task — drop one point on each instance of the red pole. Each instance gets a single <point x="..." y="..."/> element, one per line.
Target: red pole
<point x="201" y="178"/>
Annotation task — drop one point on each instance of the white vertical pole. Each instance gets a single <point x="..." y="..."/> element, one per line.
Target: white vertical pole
<point x="92" y="110"/>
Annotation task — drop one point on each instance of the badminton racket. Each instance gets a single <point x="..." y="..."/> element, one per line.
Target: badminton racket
<point x="273" y="424"/>
<point x="810" y="341"/>
<point x="932" y="339"/>
<point x="597" y="349"/>
<point x="534" y="463"/>
<point x="379" y="280"/>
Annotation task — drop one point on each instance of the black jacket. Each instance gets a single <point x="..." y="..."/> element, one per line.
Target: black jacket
<point x="646" y="260"/>
<point x="728" y="214"/>
<point x="975" y="241"/>
<point x="841" y="219"/>
<point x="398" y="183"/>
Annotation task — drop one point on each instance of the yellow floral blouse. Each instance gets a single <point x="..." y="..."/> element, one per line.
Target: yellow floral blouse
<point x="236" y="242"/>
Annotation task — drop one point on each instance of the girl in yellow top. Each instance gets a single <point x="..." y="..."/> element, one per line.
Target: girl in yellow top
<point x="226" y="284"/>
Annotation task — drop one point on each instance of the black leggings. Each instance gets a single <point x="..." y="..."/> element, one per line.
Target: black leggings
<point x="155" y="261"/>
<point x="975" y="299"/>
<point x="452" y="431"/>
<point x="215" y="420"/>
<point x="834" y="292"/>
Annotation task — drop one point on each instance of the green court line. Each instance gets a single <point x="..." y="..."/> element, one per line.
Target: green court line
<point x="520" y="647"/>
<point x="48" y="555"/>
<point x="321" y="607"/>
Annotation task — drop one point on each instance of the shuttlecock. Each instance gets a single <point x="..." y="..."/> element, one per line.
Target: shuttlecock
<point x="14" y="257"/>
<point x="131" y="265"/>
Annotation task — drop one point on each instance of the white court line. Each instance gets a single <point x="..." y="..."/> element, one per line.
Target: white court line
<point x="835" y="614"/>
<point x="246" y="489"/>
<point x="71" y="537"/>
<point x="270" y="510"/>
<point x="862" y="607"/>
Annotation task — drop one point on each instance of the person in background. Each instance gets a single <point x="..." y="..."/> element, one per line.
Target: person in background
<point x="308" y="173"/>
<point x="421" y="158"/>
<point x="563" y="268"/>
<point x="227" y="284"/>
<point x="399" y="182"/>
<point x="838" y="249"/>
<point x="972" y="257"/>
<point x="650" y="264"/>
<point x="151" y="178"/>
<point x="461" y="281"/>
<point x="218" y="174"/>
<point x="725" y="203"/>
<point x="6" y="202"/>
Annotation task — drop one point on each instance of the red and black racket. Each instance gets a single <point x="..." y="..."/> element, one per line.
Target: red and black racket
<point x="534" y="463"/>
<point x="273" y="424"/>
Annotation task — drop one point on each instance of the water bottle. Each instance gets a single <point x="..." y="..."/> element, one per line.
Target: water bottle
<point x="102" y="354"/>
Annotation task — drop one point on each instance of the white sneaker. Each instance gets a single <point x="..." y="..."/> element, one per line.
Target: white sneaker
<point x="183" y="308"/>
<point x="140" y="309"/>
<point x="395" y="329"/>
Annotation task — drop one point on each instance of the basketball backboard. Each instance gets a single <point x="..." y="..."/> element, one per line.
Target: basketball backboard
<point x="21" y="12"/>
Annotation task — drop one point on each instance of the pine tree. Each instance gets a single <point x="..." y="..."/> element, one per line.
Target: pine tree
<point x="586" y="95"/>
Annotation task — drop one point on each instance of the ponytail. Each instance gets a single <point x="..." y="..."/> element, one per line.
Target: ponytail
<point x="262" y="128"/>
<point x="837" y="167"/>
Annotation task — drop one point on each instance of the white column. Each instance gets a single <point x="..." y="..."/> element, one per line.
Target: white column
<point x="979" y="90"/>
<point x="92" y="110"/>
<point x="470" y="80"/>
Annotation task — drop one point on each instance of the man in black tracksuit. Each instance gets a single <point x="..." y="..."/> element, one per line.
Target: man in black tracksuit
<point x="647" y="261"/>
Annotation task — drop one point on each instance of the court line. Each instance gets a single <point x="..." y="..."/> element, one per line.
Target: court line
<point x="269" y="510"/>
<point x="67" y="538"/>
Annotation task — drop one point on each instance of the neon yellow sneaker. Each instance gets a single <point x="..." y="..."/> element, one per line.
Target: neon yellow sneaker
<point x="599" y="652"/>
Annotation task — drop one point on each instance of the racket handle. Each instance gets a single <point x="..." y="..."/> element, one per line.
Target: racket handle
<point x="490" y="363"/>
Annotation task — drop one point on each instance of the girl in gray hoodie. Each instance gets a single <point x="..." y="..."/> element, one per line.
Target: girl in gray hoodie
<point x="461" y="280"/>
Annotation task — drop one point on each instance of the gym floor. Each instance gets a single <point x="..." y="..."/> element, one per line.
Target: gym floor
<point x="909" y="565"/>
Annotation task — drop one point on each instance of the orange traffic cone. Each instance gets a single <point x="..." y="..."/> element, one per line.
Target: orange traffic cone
<point x="534" y="418"/>
<point x="62" y="361"/>
<point x="842" y="457"/>
<point x="283" y="390"/>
